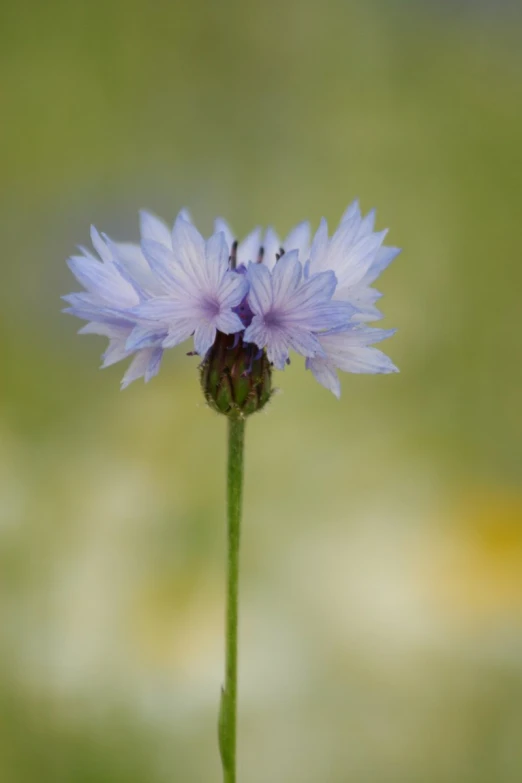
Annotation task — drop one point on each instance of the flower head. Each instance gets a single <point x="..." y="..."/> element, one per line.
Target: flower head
<point x="246" y="305"/>
<point x="198" y="290"/>
<point x="290" y="311"/>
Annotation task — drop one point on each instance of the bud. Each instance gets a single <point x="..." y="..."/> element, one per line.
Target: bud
<point x="235" y="377"/>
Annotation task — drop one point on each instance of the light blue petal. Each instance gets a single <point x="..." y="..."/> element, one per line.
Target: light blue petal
<point x="189" y="249"/>
<point x="154" y="229"/>
<point x="272" y="246"/>
<point x="304" y="342"/>
<point x="229" y="323"/>
<point x="325" y="374"/>
<point x="260" y="296"/>
<point x="233" y="290"/>
<point x="222" y="225"/>
<point x="154" y="364"/>
<point x="277" y="348"/>
<point x="204" y="337"/>
<point x="319" y="246"/>
<point x="168" y="270"/>
<point x="353" y="211"/>
<point x="137" y="368"/>
<point x="99" y="245"/>
<point x="367" y="360"/>
<point x="384" y="257"/>
<point x="145" y="337"/>
<point x="286" y="277"/>
<point x="162" y="308"/>
<point x="248" y="249"/>
<point x="317" y="290"/>
<point x="216" y="261"/>
<point x="178" y="332"/>
<point x="256" y="333"/>
<point x="299" y="239"/>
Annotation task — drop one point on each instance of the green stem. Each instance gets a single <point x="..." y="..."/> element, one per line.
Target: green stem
<point x="228" y="708"/>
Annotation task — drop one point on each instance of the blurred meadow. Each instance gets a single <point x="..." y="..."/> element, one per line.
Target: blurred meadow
<point x="381" y="616"/>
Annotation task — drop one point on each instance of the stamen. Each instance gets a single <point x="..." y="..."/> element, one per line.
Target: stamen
<point x="280" y="254"/>
<point x="237" y="337"/>
<point x="233" y="255"/>
<point x="260" y="255"/>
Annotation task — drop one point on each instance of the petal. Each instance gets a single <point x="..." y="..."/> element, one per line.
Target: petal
<point x="99" y="245"/>
<point x="366" y="360"/>
<point x="154" y="229"/>
<point x="257" y="332"/>
<point x="204" y="337"/>
<point x="185" y="214"/>
<point x="222" y="225"/>
<point x="90" y="308"/>
<point x="299" y="239"/>
<point x="189" y="249"/>
<point x="349" y="352"/>
<point x="365" y="336"/>
<point x="114" y="353"/>
<point x="229" y="323"/>
<point x="353" y="211"/>
<point x="315" y="291"/>
<point x="138" y="367"/>
<point x="326" y="375"/>
<point x="367" y="224"/>
<point x="132" y="265"/>
<point x="154" y="364"/>
<point x="304" y="342"/>
<point x="168" y="270"/>
<point x="271" y="246"/>
<point x="103" y="280"/>
<point x="277" y="348"/>
<point x="286" y="277"/>
<point x="233" y="290"/>
<point x="350" y="265"/>
<point x="384" y="257"/>
<point x="145" y="337"/>
<point x="106" y="330"/>
<point x="216" y="261"/>
<point x="178" y="332"/>
<point x="319" y="247"/>
<point x="248" y="249"/>
<point x="260" y="296"/>
<point x="329" y="316"/>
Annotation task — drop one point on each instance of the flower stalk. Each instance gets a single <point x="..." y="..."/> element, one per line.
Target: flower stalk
<point x="228" y="707"/>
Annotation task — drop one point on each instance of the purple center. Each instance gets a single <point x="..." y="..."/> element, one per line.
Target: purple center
<point x="210" y="308"/>
<point x="243" y="309"/>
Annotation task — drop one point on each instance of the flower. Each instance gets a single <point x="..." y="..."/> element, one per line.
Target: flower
<point x="199" y="290"/>
<point x="289" y="311"/>
<point x="247" y="304"/>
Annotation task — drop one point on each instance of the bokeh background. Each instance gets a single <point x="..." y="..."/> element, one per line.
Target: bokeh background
<point x="381" y="634"/>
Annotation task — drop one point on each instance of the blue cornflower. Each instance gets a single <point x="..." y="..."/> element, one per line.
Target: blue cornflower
<point x="290" y="311"/>
<point x="240" y="302"/>
<point x="199" y="290"/>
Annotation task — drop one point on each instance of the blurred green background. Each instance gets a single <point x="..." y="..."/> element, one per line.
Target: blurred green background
<point x="381" y="634"/>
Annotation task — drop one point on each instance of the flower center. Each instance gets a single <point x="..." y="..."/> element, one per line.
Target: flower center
<point x="273" y="319"/>
<point x="210" y="308"/>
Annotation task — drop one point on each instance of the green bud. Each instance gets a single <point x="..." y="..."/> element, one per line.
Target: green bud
<point x="236" y="379"/>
